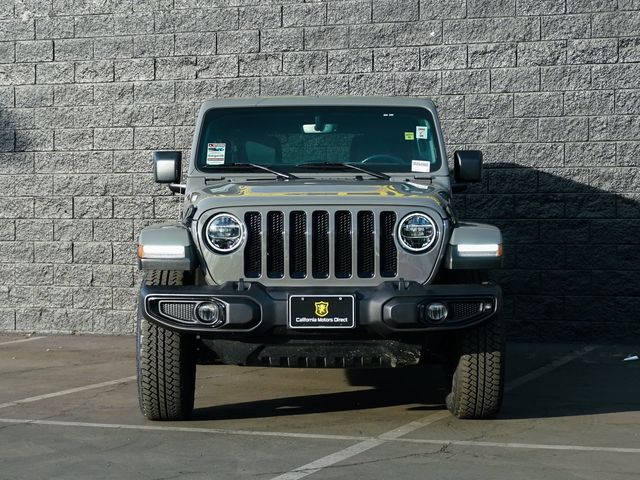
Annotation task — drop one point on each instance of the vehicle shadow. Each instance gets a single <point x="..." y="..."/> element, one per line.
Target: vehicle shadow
<point x="597" y="383"/>
<point x="381" y="388"/>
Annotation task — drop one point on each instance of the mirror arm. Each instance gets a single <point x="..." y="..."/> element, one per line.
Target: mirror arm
<point x="178" y="188"/>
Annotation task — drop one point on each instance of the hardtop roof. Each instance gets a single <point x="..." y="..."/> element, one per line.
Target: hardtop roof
<point x="318" y="101"/>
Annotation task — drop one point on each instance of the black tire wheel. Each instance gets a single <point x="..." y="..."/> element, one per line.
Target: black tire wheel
<point x="166" y="363"/>
<point x="476" y="369"/>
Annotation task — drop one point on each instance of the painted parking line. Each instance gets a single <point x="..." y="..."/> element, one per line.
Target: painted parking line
<point x="170" y="428"/>
<point x="21" y="340"/>
<point x="395" y="434"/>
<point x="358" y="448"/>
<point x="384" y="438"/>
<point x="66" y="392"/>
<point x="364" y="443"/>
<point x="527" y="446"/>
<point x="538" y="372"/>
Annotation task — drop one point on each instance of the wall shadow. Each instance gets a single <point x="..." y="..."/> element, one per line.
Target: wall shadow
<point x="572" y="248"/>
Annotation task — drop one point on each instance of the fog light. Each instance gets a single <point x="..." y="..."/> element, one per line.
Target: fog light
<point x="210" y="313"/>
<point x="436" y="312"/>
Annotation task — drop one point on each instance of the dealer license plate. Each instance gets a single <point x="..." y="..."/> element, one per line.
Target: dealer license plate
<point x="322" y="311"/>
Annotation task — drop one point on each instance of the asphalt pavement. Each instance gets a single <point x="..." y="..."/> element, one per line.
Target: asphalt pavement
<point x="68" y="410"/>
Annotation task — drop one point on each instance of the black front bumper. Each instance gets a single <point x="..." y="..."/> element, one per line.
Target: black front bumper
<point x="385" y="311"/>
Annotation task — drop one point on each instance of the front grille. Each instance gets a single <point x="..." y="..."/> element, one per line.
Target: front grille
<point x="252" y="251"/>
<point x="388" y="250"/>
<point x="275" y="245"/>
<point x="320" y="244"/>
<point x="366" y="245"/>
<point x="298" y="245"/>
<point x="343" y="244"/>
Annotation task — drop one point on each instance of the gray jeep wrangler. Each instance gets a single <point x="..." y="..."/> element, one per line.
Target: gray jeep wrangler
<point x="319" y="232"/>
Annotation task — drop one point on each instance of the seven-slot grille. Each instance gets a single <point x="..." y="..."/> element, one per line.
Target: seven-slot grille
<point x="320" y="244"/>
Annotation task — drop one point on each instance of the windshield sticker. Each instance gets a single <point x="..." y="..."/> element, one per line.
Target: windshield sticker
<point x="420" y="166"/>
<point x="409" y="136"/>
<point x="215" y="153"/>
<point x="422" y="133"/>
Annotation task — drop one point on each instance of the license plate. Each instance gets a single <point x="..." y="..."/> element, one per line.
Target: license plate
<point x="322" y="311"/>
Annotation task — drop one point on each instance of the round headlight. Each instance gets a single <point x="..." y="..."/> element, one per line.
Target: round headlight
<point x="417" y="232"/>
<point x="225" y="233"/>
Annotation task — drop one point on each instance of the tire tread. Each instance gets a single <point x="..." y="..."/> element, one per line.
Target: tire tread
<point x="165" y="363"/>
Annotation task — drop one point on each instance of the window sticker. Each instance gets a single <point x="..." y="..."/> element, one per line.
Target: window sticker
<point x="422" y="133"/>
<point x="422" y="166"/>
<point x="409" y="136"/>
<point x="215" y="153"/>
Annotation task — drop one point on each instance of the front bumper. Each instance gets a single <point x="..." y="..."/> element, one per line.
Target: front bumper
<point x="385" y="311"/>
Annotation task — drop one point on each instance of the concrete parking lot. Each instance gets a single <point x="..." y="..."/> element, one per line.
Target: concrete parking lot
<point x="68" y="410"/>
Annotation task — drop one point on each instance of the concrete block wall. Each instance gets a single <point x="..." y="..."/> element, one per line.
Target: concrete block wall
<point x="548" y="89"/>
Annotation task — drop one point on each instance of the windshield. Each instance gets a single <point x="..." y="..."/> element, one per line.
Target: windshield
<point x="377" y="138"/>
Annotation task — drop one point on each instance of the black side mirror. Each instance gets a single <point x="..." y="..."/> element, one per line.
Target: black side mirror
<point x="167" y="166"/>
<point x="467" y="166"/>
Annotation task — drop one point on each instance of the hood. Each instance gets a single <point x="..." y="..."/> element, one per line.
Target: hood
<point x="307" y="192"/>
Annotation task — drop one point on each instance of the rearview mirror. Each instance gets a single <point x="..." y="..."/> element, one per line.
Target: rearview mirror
<point x="467" y="166"/>
<point x="167" y="166"/>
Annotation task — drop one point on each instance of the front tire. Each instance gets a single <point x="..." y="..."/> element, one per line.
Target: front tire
<point x="476" y="364"/>
<point x="166" y="363"/>
<point x="477" y="382"/>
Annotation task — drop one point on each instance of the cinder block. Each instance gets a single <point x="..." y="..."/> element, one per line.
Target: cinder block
<point x="153" y="138"/>
<point x="396" y="59"/>
<point x="17" y="29"/>
<point x="17" y="74"/>
<point x="492" y="55"/>
<point x="34" y="51"/>
<point x="55" y="72"/>
<point x="94" y="72"/>
<point x="113" y="47"/>
<point x="302" y="15"/>
<point x="30" y="96"/>
<point x="183" y="68"/>
<point x="73" y="49"/>
<point x="260" y="64"/>
<point x="327" y="38"/>
<point x="242" y="41"/>
<point x="601" y="50"/>
<point x="281" y="39"/>
<point x="350" y="61"/>
<point x="541" y="104"/>
<point x="396" y="10"/>
<point x="268" y="16"/>
<point x="113" y="138"/>
<point x="443" y="57"/>
<point x="195" y="43"/>
<point x="349" y="12"/>
<point x="558" y="27"/>
<point x="532" y="54"/>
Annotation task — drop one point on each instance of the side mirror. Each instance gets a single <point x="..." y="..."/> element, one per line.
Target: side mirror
<point x="167" y="166"/>
<point x="467" y="166"/>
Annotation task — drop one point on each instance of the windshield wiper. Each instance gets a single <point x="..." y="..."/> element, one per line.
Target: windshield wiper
<point x="255" y="166"/>
<point x="333" y="165"/>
